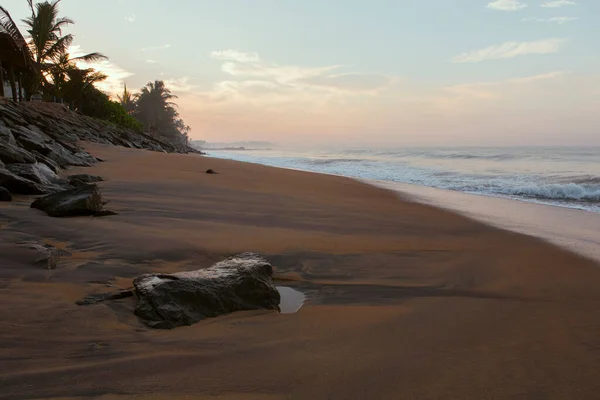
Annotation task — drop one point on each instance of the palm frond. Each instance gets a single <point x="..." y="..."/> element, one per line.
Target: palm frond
<point x="8" y="25"/>
<point x="92" y="57"/>
<point x="57" y="48"/>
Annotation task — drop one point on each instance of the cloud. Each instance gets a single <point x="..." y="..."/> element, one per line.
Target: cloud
<point x="151" y="61"/>
<point x="507" y="5"/>
<point x="115" y="75"/>
<point x="558" y="3"/>
<point x="557" y="20"/>
<point x="161" y="47"/>
<point x="235" y="55"/>
<point x="511" y="50"/>
<point x="131" y="18"/>
<point x="255" y="74"/>
<point x="178" y="85"/>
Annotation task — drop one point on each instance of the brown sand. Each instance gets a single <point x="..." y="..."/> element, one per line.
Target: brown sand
<point x="405" y="301"/>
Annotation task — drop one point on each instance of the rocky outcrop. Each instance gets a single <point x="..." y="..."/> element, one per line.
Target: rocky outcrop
<point x="48" y="134"/>
<point x="38" y="173"/>
<point x="242" y="282"/>
<point x="81" y="201"/>
<point x="12" y="153"/>
<point x="17" y="184"/>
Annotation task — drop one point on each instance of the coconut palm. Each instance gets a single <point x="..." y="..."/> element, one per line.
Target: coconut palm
<point x="78" y="82"/>
<point x="47" y="43"/>
<point x="155" y="108"/>
<point x="127" y="100"/>
<point x="58" y="71"/>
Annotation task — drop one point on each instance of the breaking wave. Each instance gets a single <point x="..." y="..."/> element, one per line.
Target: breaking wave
<point x="569" y="191"/>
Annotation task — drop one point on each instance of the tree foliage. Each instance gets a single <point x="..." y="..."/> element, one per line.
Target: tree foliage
<point x="156" y="111"/>
<point x="59" y="77"/>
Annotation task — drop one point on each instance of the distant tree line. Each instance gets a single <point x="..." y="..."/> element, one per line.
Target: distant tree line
<point x="55" y="75"/>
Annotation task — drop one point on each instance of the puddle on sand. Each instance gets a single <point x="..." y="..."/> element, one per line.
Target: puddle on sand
<point x="291" y="299"/>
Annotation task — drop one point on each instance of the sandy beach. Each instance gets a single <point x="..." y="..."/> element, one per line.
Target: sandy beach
<point x="404" y="300"/>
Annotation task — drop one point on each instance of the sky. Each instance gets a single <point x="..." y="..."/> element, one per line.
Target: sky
<point x="357" y="72"/>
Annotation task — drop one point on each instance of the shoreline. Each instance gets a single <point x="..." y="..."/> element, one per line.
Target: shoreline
<point x="569" y="228"/>
<point x="559" y="203"/>
<point x="551" y="229"/>
<point x="402" y="298"/>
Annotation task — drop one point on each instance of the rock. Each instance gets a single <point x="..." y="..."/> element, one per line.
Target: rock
<point x="12" y="153"/>
<point x="210" y="171"/>
<point x="84" y="200"/>
<point x="64" y="158"/>
<point x="242" y="282"/>
<point x="5" y="195"/>
<point x="48" y="162"/>
<point x="10" y="114"/>
<point x="17" y="184"/>
<point x="84" y="179"/>
<point x="38" y="173"/>
<point x="6" y="135"/>
<point x="33" y="139"/>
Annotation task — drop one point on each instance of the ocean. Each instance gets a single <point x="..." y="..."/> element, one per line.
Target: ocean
<point x="559" y="176"/>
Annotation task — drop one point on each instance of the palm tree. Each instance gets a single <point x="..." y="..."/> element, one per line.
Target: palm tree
<point x="127" y="100"/>
<point x="79" y="81"/>
<point x="47" y="43"/>
<point x="154" y="106"/>
<point x="45" y="30"/>
<point x="58" y="71"/>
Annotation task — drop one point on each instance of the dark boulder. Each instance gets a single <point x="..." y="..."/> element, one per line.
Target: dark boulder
<point x="6" y="135"/>
<point x="5" y="195"/>
<point x="32" y="138"/>
<point x="84" y="200"/>
<point x="17" y="184"/>
<point x="48" y="162"/>
<point x="84" y="179"/>
<point x="64" y="157"/>
<point x="210" y="171"/>
<point x="242" y="282"/>
<point x="38" y="173"/>
<point x="8" y="112"/>
<point x="12" y="153"/>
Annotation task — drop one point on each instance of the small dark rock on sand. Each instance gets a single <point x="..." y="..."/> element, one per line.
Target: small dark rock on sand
<point x="210" y="171"/>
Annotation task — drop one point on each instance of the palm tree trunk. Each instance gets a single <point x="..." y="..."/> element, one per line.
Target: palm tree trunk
<point x="13" y="84"/>
<point x="20" y="88"/>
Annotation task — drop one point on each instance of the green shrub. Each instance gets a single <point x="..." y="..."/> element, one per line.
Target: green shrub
<point x="98" y="105"/>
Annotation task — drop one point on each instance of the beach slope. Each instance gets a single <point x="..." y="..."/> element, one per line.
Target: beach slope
<point x="405" y="301"/>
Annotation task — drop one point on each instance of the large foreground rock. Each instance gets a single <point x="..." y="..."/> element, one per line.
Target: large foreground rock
<point x="84" y="200"/>
<point x="242" y="282"/>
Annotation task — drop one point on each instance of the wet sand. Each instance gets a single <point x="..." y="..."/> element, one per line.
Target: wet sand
<point x="404" y="300"/>
<point x="576" y="230"/>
